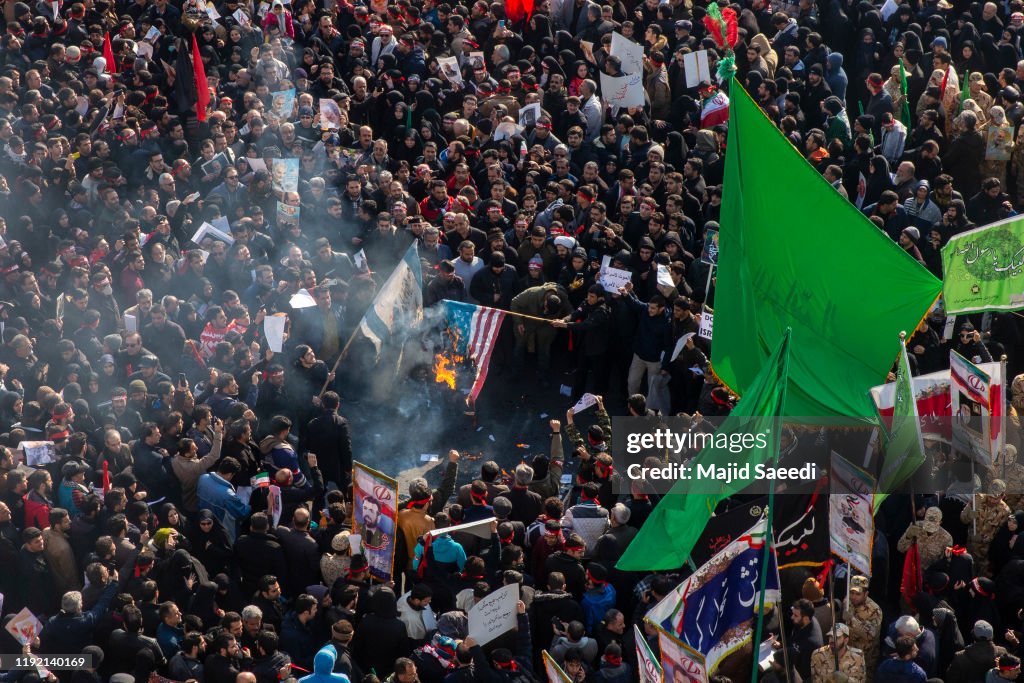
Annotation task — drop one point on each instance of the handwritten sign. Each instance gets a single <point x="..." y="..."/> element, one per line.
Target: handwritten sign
<point x="631" y="54"/>
<point x="38" y="452"/>
<point x="707" y="324"/>
<point x="623" y="91"/>
<point x="494" y="615"/>
<point x="613" y="278"/>
<point x="25" y="627"/>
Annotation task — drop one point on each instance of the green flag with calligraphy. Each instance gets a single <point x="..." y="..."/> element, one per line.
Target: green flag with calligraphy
<point x="983" y="269"/>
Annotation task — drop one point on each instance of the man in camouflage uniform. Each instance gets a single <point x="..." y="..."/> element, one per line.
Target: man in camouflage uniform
<point x="931" y="538"/>
<point x="864" y="618"/>
<point x="991" y="512"/>
<point x="1009" y="470"/>
<point x="851" y="660"/>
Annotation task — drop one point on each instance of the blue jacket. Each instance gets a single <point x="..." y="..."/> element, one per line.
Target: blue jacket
<point x="298" y="641"/>
<point x="595" y="603"/>
<point x="169" y="639"/>
<point x="323" y="668"/>
<point x="218" y="495"/>
<point x="899" y="671"/>
<point x="446" y="551"/>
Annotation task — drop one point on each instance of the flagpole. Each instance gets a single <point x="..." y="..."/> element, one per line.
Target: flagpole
<point x="831" y="606"/>
<point x="1002" y="418"/>
<point x="769" y="538"/>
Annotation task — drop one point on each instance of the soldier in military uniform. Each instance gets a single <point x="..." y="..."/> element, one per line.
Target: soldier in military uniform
<point x="1009" y="470"/>
<point x="990" y="514"/>
<point x="851" y="660"/>
<point x="931" y="538"/>
<point x="864" y="618"/>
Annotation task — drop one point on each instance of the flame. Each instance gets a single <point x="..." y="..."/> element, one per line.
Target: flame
<point x="444" y="371"/>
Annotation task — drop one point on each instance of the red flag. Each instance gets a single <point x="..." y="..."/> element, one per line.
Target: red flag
<point x="912" y="581"/>
<point x="106" y="477"/>
<point x="202" y="89"/>
<point x="514" y="11"/>
<point x="945" y="81"/>
<point x="108" y="54"/>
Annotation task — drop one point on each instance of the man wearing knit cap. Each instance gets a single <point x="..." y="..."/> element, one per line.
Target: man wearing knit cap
<point x="992" y="511"/>
<point x="931" y="538"/>
<point x="864" y="618"/>
<point x="974" y="661"/>
<point x="838" y="655"/>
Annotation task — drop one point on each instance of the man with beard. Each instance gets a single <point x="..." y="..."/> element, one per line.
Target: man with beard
<point x="373" y="537"/>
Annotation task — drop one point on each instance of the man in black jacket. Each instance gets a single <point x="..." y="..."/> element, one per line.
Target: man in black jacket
<point x="259" y="553"/>
<point x="592" y="318"/>
<point x="329" y="437"/>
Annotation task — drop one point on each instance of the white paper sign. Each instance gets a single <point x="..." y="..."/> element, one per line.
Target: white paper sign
<point x="680" y="345"/>
<point x="302" y="299"/>
<point x="206" y="230"/>
<point x="623" y="91"/>
<point x="38" y="452"/>
<point x="355" y="544"/>
<point x="241" y="17"/>
<point x="256" y="164"/>
<point x="586" y="401"/>
<point x="25" y="627"/>
<point x="359" y="259"/>
<point x="665" y="276"/>
<point x="131" y="323"/>
<point x="481" y="528"/>
<point x="529" y="114"/>
<point x="888" y="8"/>
<point x="450" y="70"/>
<point x="696" y="67"/>
<point x="707" y="323"/>
<point x="273" y="328"/>
<point x="275" y="503"/>
<point x="494" y="615"/>
<point x="613" y="278"/>
<point x="430" y="457"/>
<point x="631" y="54"/>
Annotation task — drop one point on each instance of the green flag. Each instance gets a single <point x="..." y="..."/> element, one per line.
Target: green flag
<point x="983" y="269"/>
<point x="904" y="450"/>
<point x="905" y="113"/>
<point x="675" y="525"/>
<point x="795" y="254"/>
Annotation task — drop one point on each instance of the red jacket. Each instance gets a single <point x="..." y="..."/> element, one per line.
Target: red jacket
<point x="37" y="514"/>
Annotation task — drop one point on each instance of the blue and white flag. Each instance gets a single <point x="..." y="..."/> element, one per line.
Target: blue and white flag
<point x="398" y="306"/>
<point x="472" y="332"/>
<point x="714" y="610"/>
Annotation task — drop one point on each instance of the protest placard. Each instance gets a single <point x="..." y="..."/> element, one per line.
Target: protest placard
<point x="494" y="615"/>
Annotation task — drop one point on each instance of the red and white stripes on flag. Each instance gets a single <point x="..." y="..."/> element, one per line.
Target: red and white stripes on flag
<point x="474" y="330"/>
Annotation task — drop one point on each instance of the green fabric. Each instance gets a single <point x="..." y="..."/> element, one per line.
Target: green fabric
<point x="904" y="452"/>
<point x="795" y="254"/>
<point x="983" y="269"/>
<point x="905" y="113"/>
<point x="676" y="523"/>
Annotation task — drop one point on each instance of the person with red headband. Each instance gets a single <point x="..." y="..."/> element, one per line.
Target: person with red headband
<point x="588" y="518"/>
<point x="416" y="518"/>
<point x="599" y="596"/>
<point x="569" y="561"/>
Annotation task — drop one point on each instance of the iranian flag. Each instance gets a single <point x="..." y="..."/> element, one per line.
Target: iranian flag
<point x="715" y="111"/>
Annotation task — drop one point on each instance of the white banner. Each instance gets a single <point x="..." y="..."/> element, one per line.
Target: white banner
<point x="696" y="68"/>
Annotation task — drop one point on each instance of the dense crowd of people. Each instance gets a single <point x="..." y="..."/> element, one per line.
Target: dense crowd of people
<point x="143" y="411"/>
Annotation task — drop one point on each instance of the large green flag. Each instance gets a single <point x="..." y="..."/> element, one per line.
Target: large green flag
<point x="983" y="269"/>
<point x="675" y="525"/>
<point x="796" y="254"/>
<point x="904" y="450"/>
